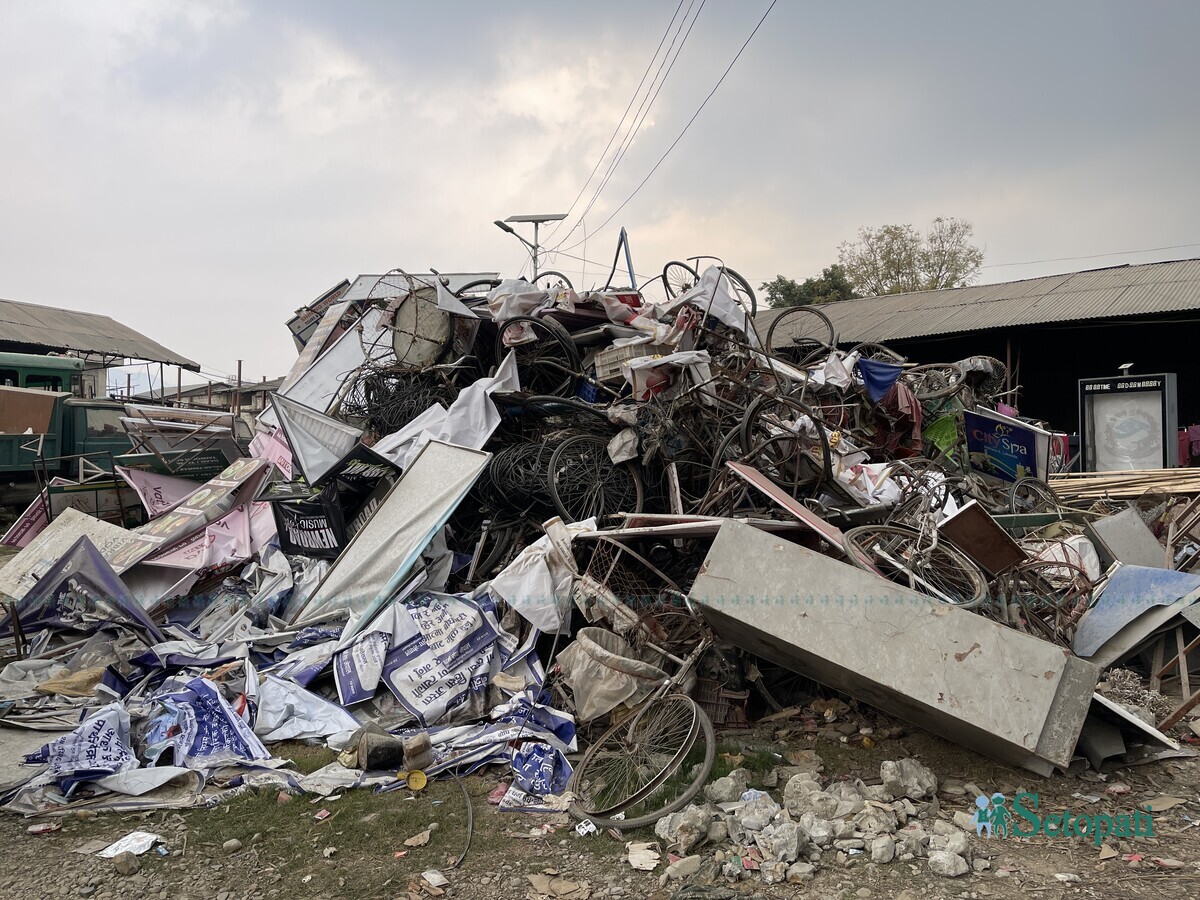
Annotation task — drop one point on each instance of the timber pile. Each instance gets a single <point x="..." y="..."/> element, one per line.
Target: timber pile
<point x="1125" y="485"/>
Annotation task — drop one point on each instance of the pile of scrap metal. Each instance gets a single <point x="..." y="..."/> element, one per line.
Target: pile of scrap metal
<point x="481" y="514"/>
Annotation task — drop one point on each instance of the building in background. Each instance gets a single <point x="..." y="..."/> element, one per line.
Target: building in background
<point x="1050" y="332"/>
<point x="101" y="342"/>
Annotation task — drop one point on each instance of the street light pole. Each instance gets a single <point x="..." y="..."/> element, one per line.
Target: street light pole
<point x="536" y="220"/>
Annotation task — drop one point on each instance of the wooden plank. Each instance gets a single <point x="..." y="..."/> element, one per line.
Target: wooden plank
<point x="1156" y="663"/>
<point x="981" y="538"/>
<point x="1180" y="711"/>
<point x="1184" y="681"/>
<point x="1181" y="654"/>
<point x="1125" y="485"/>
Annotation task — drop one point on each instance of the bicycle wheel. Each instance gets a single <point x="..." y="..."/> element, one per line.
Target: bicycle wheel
<point x="786" y="441"/>
<point x="547" y="359"/>
<point x="877" y="352"/>
<point x="725" y="493"/>
<point x="1030" y="495"/>
<point x="1052" y="595"/>
<point x="585" y="482"/>
<point x="679" y="278"/>
<point x="809" y="335"/>
<point x="645" y="767"/>
<point x="935" y="382"/>
<point x="742" y="290"/>
<point x="549" y="281"/>
<point x="941" y="571"/>
<point x="477" y="290"/>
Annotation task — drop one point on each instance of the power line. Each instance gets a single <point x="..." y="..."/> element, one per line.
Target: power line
<point x="602" y="265"/>
<point x="624" y="115"/>
<point x="695" y="115"/>
<point x="643" y="111"/>
<point x="1033" y="262"/>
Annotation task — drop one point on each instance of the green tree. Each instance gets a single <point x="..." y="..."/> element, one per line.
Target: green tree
<point x="893" y="259"/>
<point x="830" y="286"/>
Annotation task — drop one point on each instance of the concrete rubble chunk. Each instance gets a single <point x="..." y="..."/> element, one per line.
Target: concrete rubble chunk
<point x="907" y="778"/>
<point x="686" y="828"/>
<point x="818" y="803"/>
<point x="883" y="849"/>
<point x="820" y="831"/>
<point x="718" y="832"/>
<point x="912" y="839"/>
<point x="773" y="871"/>
<point x="684" y="868"/>
<point x="728" y="788"/>
<point x="875" y="792"/>
<point x="782" y="841"/>
<point x="798" y="785"/>
<point x="948" y="865"/>
<point x="874" y="820"/>
<point x="844" y="790"/>
<point x="800" y="872"/>
<point x="756" y="814"/>
<point x="126" y="863"/>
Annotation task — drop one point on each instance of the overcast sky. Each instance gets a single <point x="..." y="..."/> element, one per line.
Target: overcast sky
<point x="198" y="170"/>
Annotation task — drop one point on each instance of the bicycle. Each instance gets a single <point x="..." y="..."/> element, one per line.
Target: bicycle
<point x="679" y="278"/>
<point x="914" y="555"/>
<point x="650" y="764"/>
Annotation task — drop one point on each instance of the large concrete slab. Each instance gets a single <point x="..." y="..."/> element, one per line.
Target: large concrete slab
<point x="1004" y="694"/>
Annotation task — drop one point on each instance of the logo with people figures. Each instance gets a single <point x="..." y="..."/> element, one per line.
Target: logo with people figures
<point x="993" y="815"/>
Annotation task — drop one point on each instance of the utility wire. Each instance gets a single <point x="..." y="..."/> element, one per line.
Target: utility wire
<point x="696" y="114"/>
<point x="643" y="111"/>
<point x="1033" y="262"/>
<point x="612" y="137"/>
<point x="595" y="262"/>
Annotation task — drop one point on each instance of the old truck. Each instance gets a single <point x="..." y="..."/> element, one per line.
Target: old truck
<point x="47" y="428"/>
<point x="47" y="433"/>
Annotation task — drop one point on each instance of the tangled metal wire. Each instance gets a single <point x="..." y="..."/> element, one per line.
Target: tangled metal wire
<point x="384" y="399"/>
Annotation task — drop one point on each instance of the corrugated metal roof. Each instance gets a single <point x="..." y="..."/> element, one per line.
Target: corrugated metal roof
<point x="47" y="328"/>
<point x="1097" y="294"/>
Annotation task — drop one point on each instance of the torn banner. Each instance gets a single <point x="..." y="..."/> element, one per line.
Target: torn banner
<point x="201" y="728"/>
<point x="206" y="504"/>
<point x="81" y="591"/>
<point x="437" y="654"/>
<point x="98" y="747"/>
<point x="158" y="492"/>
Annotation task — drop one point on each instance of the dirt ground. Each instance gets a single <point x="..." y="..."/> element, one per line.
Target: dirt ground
<point x="359" y="850"/>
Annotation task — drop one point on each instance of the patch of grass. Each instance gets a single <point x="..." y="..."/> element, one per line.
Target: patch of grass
<point x="761" y="761"/>
<point x="365" y="827"/>
<point x="306" y="758"/>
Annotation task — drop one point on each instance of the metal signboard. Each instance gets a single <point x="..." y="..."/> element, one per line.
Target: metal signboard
<point x="1128" y="423"/>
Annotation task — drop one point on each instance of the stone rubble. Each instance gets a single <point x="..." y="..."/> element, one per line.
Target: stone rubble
<point x="742" y="834"/>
